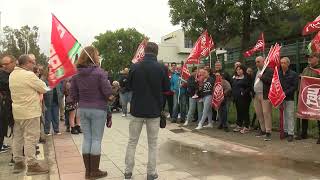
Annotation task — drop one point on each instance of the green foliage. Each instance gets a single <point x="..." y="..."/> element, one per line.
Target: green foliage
<point x="22" y="41"/>
<point x="107" y="44"/>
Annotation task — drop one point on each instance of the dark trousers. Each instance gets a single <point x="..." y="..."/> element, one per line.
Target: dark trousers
<point x="169" y="99"/>
<point x="242" y="106"/>
<point x="223" y="114"/>
<point x="304" y="127"/>
<point x="1" y="141"/>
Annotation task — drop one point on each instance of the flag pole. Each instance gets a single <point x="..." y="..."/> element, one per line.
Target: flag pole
<point x="87" y="54"/>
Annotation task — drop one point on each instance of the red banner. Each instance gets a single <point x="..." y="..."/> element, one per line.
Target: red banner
<point x="274" y="56"/>
<point x="276" y="94"/>
<point x="258" y="47"/>
<point x="60" y="64"/>
<point x="202" y="48"/>
<point x="309" y="98"/>
<point x="315" y="43"/>
<point x="185" y="74"/>
<point x="217" y="94"/>
<point x="140" y="52"/>
<point x="311" y="27"/>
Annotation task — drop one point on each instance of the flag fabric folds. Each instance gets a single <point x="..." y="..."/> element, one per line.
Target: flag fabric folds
<point x="258" y="47"/>
<point x="140" y="52"/>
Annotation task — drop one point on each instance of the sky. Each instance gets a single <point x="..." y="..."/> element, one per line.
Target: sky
<point x="88" y="18"/>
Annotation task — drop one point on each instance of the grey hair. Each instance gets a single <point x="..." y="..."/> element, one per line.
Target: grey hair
<point x="260" y="57"/>
<point x="23" y="59"/>
<point x="287" y="59"/>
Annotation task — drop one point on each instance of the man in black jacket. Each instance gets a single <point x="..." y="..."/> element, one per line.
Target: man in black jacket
<point x="125" y="94"/>
<point x="6" y="119"/>
<point x="289" y="82"/>
<point x="148" y="81"/>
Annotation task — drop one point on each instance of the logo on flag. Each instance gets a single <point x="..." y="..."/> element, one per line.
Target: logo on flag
<point x="217" y="96"/>
<point x="274" y="56"/>
<point x="140" y="52"/>
<point x="311" y="27"/>
<point x="276" y="94"/>
<point x="258" y="47"/>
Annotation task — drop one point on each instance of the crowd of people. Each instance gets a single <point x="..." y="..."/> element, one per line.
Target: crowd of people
<point x="86" y="101"/>
<point x="192" y="98"/>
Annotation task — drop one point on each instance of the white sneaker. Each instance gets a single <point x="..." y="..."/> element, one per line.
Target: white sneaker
<point x="186" y="123"/>
<point x="123" y="115"/>
<point x="199" y="127"/>
<point x="210" y="125"/>
<point x="195" y="96"/>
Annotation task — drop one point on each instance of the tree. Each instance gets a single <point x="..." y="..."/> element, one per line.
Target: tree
<point x="22" y="41"/>
<point x="229" y="19"/>
<point x="113" y="57"/>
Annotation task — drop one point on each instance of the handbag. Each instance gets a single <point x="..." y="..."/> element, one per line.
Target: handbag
<point x="163" y="117"/>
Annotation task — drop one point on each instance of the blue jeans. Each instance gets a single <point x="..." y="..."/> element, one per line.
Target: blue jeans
<point x="223" y="114"/>
<point x="193" y="103"/>
<point x="93" y="122"/>
<point x="51" y="116"/>
<point x="125" y="98"/>
<point x="207" y="110"/>
<point x="182" y="106"/>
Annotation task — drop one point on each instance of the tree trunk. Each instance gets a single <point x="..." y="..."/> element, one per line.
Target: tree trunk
<point x="246" y="27"/>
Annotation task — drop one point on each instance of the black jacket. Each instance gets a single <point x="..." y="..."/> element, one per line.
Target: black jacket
<point x="241" y="88"/>
<point x="266" y="79"/>
<point x="192" y="86"/>
<point x="124" y="84"/>
<point x="6" y="117"/>
<point x="147" y="80"/>
<point x="289" y="83"/>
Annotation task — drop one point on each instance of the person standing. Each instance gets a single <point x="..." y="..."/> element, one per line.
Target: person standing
<point x="206" y="94"/>
<point x="289" y="82"/>
<point x="91" y="89"/>
<point x="148" y="80"/>
<point x="241" y="88"/>
<point x="223" y="109"/>
<point x="7" y="64"/>
<point x="262" y="104"/>
<point x="125" y="94"/>
<point x="25" y="88"/>
<point x="179" y="97"/>
<point x="313" y="61"/>
<point x="192" y="88"/>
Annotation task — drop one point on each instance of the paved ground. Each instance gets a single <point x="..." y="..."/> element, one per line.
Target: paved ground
<point x="185" y="154"/>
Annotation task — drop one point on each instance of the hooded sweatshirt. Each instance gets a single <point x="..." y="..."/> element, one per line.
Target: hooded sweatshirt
<point x="91" y="88"/>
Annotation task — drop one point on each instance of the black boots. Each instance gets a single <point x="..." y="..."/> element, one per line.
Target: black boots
<point x="86" y="161"/>
<point x="76" y="130"/>
<point x="91" y="163"/>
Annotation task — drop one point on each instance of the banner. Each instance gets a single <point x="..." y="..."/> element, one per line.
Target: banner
<point x="311" y="27"/>
<point x="309" y="98"/>
<point x="62" y="49"/>
<point x="202" y="48"/>
<point x="315" y="43"/>
<point x="185" y="74"/>
<point x="276" y="94"/>
<point x="274" y="56"/>
<point x="258" y="47"/>
<point x="140" y="52"/>
<point x="217" y="94"/>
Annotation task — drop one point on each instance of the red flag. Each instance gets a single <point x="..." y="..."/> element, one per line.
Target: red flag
<point x="311" y="27"/>
<point x="140" y="52"/>
<point x="185" y="74"/>
<point x="217" y="94"/>
<point x="202" y="48"/>
<point x="274" y="56"/>
<point x="276" y="94"/>
<point x="309" y="98"/>
<point x="62" y="45"/>
<point x="315" y="43"/>
<point x="258" y="47"/>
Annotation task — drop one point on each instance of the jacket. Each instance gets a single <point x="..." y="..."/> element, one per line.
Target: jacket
<point x="6" y="117"/>
<point x="192" y="86"/>
<point x="206" y="88"/>
<point x="266" y="79"/>
<point x="124" y="84"/>
<point x="25" y="89"/>
<point x="148" y="81"/>
<point x="289" y="83"/>
<point x="175" y="84"/>
<point x="48" y="97"/>
<point x="241" y="88"/>
<point x="309" y="72"/>
<point x="90" y="88"/>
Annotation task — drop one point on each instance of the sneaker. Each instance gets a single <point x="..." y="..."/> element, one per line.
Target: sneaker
<point x="18" y="167"/>
<point x="74" y="131"/>
<point x="127" y="176"/>
<point x="174" y="120"/>
<point x="48" y="134"/>
<point x="124" y="115"/>
<point x="290" y="138"/>
<point x="36" y="169"/>
<point x="57" y="133"/>
<point x="267" y="137"/>
<point x="3" y="150"/>
<point x="301" y="137"/>
<point x="42" y="140"/>
<point x="68" y="129"/>
<point x="237" y="129"/>
<point x="220" y="126"/>
<point x="198" y="127"/>
<point x="152" y="177"/>
<point x="11" y="163"/>
<point x="5" y="146"/>
<point x="244" y="130"/>
<point x="186" y="123"/>
<point x="209" y="125"/>
<point x="195" y="96"/>
<point x="261" y="134"/>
